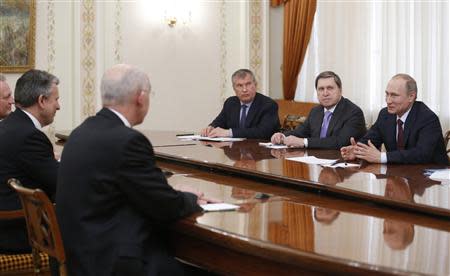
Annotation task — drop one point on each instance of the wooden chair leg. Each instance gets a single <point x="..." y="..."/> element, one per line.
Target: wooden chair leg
<point x="37" y="262"/>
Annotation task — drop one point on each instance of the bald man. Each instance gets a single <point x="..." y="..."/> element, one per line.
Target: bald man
<point x="113" y="202"/>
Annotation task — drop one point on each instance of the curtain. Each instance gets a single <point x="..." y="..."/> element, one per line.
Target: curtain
<point x="276" y="3"/>
<point x="298" y="22"/>
<point x="366" y="43"/>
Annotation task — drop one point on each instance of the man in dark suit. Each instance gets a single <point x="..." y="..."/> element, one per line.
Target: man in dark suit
<point x="113" y="202"/>
<point x="329" y="125"/>
<point x="409" y="130"/>
<point x="6" y="98"/>
<point x="25" y="151"/>
<point x="248" y="114"/>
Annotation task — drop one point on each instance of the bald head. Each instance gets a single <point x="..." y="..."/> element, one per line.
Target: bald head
<point x="126" y="89"/>
<point x="120" y="82"/>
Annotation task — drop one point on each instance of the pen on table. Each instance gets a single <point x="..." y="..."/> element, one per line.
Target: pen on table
<point x="185" y="134"/>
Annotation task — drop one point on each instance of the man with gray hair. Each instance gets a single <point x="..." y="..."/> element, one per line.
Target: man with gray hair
<point x="26" y="153"/>
<point x="248" y="114"/>
<point x="6" y="98"/>
<point x="410" y="131"/>
<point x="113" y="202"/>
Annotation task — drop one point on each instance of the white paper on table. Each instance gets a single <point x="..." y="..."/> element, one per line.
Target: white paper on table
<point x="341" y="165"/>
<point x="214" y="207"/>
<point x="204" y="138"/>
<point x="274" y="146"/>
<point x="312" y="160"/>
<point x="441" y="175"/>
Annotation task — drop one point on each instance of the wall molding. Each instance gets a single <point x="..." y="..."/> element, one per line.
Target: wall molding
<point x="223" y="51"/>
<point x="88" y="59"/>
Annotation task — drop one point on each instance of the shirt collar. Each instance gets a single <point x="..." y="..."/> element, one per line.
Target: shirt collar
<point x="122" y="118"/>
<point x="331" y="109"/>
<point x="404" y="116"/>
<point x="247" y="104"/>
<point x="33" y="119"/>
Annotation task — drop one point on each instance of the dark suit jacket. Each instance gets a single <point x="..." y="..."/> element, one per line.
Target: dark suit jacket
<point x="424" y="142"/>
<point x="26" y="154"/>
<point x="113" y="202"/>
<point x="261" y="122"/>
<point x="347" y="121"/>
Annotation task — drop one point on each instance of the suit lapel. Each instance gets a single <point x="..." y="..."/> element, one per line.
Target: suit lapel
<point x="316" y="122"/>
<point x="252" y="111"/>
<point x="391" y="131"/>
<point x="236" y="111"/>
<point x="412" y="117"/>
<point x="337" y="114"/>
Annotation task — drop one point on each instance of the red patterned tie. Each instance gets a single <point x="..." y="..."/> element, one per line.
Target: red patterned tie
<point x="400" y="142"/>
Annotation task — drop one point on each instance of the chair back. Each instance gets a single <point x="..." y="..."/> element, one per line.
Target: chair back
<point x="292" y="113"/>
<point x="43" y="229"/>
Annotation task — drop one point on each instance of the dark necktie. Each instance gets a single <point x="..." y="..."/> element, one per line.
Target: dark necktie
<point x="400" y="142"/>
<point x="326" y="122"/>
<point x="243" y="116"/>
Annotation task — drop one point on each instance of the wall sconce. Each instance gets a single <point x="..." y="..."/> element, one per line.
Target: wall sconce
<point x="177" y="11"/>
<point x="171" y="21"/>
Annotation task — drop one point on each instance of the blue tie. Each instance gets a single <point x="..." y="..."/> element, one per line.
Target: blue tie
<point x="243" y="116"/>
<point x="326" y="122"/>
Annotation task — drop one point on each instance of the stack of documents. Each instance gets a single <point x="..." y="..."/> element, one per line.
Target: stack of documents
<point x="313" y="160"/>
<point x="341" y="165"/>
<point x="273" y="146"/>
<point x="204" y="138"/>
<point x="441" y="175"/>
<point x="214" y="207"/>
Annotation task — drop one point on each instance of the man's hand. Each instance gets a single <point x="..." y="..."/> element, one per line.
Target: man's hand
<point x="292" y="141"/>
<point x="368" y="152"/>
<point x="277" y="138"/>
<point x="206" y="131"/>
<point x="219" y="132"/>
<point x="201" y="198"/>
<point x="348" y="152"/>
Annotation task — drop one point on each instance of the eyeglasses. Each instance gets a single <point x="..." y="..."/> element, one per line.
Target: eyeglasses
<point x="152" y="92"/>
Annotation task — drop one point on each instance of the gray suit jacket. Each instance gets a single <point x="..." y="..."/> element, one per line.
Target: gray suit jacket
<point x="347" y="121"/>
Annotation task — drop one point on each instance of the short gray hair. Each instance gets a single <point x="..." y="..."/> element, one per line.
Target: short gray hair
<point x="411" y="85"/>
<point x="2" y="77"/>
<point x="31" y="85"/>
<point x="121" y="81"/>
<point x="242" y="73"/>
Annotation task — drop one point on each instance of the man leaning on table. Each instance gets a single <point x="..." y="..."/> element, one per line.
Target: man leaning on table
<point x="113" y="202"/>
<point x="329" y="125"/>
<point x="248" y="114"/>
<point x="409" y="130"/>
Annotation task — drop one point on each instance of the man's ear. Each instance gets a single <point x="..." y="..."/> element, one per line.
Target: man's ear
<point x="140" y="97"/>
<point x="41" y="101"/>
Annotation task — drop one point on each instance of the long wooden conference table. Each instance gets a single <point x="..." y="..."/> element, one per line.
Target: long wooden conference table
<point x="297" y="218"/>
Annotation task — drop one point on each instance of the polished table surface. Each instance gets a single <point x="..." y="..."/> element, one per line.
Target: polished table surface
<point x="295" y="231"/>
<point x="401" y="186"/>
<point x="305" y="225"/>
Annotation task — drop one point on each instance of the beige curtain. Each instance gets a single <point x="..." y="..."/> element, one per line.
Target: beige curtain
<point x="298" y="22"/>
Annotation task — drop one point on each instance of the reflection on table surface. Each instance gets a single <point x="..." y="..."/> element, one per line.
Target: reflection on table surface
<point x="373" y="181"/>
<point x="297" y="225"/>
<point x="379" y="240"/>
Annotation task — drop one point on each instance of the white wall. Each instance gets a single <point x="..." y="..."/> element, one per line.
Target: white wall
<point x="189" y="65"/>
<point x="276" y="52"/>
